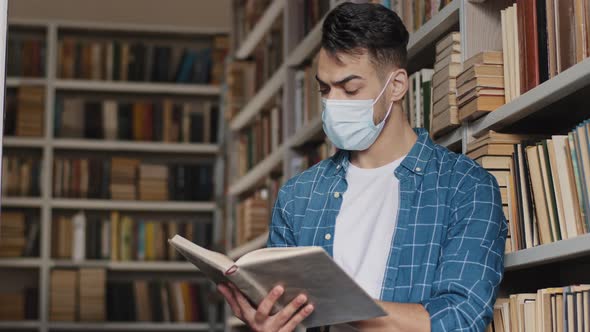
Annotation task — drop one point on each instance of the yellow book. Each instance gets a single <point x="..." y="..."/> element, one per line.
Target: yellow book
<point x="149" y="241"/>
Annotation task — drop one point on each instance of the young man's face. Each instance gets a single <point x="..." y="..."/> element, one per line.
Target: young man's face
<point x="353" y="77"/>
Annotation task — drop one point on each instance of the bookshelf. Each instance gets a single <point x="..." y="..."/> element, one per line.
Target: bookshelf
<point x="553" y="107"/>
<point x="36" y="271"/>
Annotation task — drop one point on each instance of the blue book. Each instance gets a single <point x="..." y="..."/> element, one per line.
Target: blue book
<point x="184" y="72"/>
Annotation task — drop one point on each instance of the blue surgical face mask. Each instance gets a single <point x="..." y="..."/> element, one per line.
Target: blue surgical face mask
<point x="349" y="123"/>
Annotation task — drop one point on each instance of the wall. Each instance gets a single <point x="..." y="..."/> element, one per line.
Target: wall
<point x="183" y="13"/>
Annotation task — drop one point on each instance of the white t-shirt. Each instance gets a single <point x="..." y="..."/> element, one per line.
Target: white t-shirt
<point x="366" y="223"/>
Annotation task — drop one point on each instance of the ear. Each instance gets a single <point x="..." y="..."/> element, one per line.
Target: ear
<point x="398" y="85"/>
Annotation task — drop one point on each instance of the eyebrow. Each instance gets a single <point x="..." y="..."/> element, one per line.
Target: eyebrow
<point x="342" y="81"/>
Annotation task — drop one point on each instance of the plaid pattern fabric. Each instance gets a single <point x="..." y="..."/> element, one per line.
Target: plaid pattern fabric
<point x="447" y="251"/>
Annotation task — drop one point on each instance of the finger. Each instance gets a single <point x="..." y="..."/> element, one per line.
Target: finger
<point x="267" y="303"/>
<point x="298" y="318"/>
<point x="287" y="312"/>
<point x="231" y="300"/>
<point x="246" y="308"/>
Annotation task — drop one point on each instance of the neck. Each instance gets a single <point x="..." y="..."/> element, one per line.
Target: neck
<point x="396" y="139"/>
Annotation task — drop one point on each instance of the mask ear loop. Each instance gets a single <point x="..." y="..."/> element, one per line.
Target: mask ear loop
<point x="379" y="96"/>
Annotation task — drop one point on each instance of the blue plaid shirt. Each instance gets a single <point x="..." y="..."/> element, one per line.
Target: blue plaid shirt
<point x="447" y="251"/>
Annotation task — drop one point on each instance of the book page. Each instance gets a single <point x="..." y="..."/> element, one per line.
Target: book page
<point x="309" y="270"/>
<point x="211" y="263"/>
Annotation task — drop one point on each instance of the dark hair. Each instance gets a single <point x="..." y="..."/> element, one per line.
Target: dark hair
<point x="355" y="28"/>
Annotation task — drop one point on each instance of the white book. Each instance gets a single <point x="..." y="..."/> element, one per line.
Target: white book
<point x="567" y="185"/>
<point x="79" y="247"/>
<point x="109" y="119"/>
<point x="335" y="296"/>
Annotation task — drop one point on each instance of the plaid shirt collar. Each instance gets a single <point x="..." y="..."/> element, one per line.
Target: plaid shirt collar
<point x="415" y="161"/>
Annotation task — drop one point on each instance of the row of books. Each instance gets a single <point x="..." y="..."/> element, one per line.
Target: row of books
<point x="544" y="38"/>
<point x="246" y="15"/>
<point x="418" y="102"/>
<point x="157" y="301"/>
<point x="308" y="101"/>
<point x="543" y="183"/>
<point x="240" y="90"/>
<point x="160" y="121"/>
<point x="414" y="13"/>
<point x="252" y="216"/>
<point x="259" y="139"/>
<point x="17" y="305"/>
<point x="313" y="12"/>
<point x="549" y="309"/>
<point x="311" y="156"/>
<point x="25" y="108"/>
<point x="131" y="179"/>
<point x="119" y="237"/>
<point x="19" y="234"/>
<point x="268" y="54"/>
<point x="20" y="176"/>
<point x="77" y="295"/>
<point x="25" y="56"/>
<point x="136" y="61"/>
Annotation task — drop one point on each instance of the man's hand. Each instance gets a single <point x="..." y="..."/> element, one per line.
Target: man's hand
<point x="260" y="319"/>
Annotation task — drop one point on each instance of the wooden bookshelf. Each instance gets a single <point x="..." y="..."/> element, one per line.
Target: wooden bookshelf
<point x="49" y="146"/>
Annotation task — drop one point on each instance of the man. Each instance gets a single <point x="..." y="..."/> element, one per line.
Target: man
<point x="420" y="228"/>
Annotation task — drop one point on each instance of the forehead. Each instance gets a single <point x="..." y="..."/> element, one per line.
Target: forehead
<point x="332" y="67"/>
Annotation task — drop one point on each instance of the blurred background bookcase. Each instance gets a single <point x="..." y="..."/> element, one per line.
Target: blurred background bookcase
<point x="261" y="157"/>
<point x="111" y="137"/>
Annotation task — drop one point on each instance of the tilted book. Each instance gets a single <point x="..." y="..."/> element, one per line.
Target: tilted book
<point x="309" y="270"/>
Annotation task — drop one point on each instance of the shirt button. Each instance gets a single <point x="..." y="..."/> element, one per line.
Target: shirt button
<point x="418" y="169"/>
<point x="328" y="236"/>
<point x="336" y="195"/>
<point x="337" y="166"/>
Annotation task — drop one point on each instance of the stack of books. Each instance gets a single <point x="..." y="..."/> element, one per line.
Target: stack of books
<point x="30" y="110"/>
<point x="12" y="306"/>
<point x="153" y="182"/>
<point x="123" y="175"/>
<point x="480" y="86"/>
<point x="92" y="294"/>
<point x="493" y="151"/>
<point x="12" y="234"/>
<point x="549" y="309"/>
<point x="62" y="295"/>
<point x="444" y="98"/>
<point x="252" y="217"/>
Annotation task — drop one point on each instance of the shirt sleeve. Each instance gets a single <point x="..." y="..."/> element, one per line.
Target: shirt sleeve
<point x="281" y="230"/>
<point x="472" y="259"/>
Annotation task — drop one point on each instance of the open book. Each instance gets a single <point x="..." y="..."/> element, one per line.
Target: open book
<point x="335" y="296"/>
